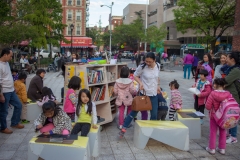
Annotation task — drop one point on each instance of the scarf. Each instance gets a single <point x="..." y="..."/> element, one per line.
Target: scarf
<point x="230" y="68"/>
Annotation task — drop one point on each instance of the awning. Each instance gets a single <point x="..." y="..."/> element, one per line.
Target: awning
<point x="77" y="42"/>
<point x="93" y="46"/>
<point x="24" y="43"/>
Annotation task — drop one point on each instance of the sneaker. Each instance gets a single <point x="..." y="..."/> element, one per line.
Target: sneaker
<point x="123" y="131"/>
<point x="231" y="140"/>
<point x="211" y="151"/>
<point x="24" y="121"/>
<point x="221" y="151"/>
<point x="120" y="127"/>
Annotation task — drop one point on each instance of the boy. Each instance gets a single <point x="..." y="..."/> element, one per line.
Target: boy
<point x="20" y="89"/>
<point x="205" y="88"/>
<point x="162" y="108"/>
<point x="14" y="74"/>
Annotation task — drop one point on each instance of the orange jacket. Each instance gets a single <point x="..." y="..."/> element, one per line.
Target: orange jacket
<point x="20" y="89"/>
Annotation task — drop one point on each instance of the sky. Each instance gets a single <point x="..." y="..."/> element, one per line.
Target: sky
<point x="96" y="11"/>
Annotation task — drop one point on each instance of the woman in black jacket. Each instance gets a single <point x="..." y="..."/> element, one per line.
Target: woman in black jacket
<point x="35" y="87"/>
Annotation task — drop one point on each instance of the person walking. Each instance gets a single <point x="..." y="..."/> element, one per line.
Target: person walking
<point x="188" y="60"/>
<point x="194" y="65"/>
<point x="8" y="95"/>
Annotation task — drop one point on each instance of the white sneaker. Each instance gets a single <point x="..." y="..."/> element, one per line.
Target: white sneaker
<point x="221" y="151"/>
<point x="211" y="151"/>
<point x="120" y="127"/>
<point x="231" y="140"/>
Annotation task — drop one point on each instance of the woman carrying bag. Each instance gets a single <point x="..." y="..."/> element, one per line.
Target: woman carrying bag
<point x="147" y="76"/>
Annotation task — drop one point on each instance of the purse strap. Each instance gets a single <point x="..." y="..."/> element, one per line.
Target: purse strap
<point x="139" y="92"/>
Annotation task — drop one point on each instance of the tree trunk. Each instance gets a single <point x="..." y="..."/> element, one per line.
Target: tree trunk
<point x="38" y="56"/>
<point x="236" y="32"/>
<point x="213" y="43"/>
<point x="138" y="47"/>
<point x="50" y="47"/>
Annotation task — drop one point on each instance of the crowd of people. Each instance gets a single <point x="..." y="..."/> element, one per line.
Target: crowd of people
<point x="214" y="87"/>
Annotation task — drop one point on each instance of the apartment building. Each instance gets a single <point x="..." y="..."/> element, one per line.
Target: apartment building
<point x="115" y="21"/>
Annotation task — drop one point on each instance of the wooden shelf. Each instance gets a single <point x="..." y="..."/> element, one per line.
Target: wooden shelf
<point x="105" y="108"/>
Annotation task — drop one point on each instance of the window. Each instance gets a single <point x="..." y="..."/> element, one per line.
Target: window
<point x="69" y="2"/>
<point x="69" y="15"/>
<point x="78" y="31"/>
<point x="115" y="21"/>
<point x="78" y="2"/>
<point x="78" y="16"/>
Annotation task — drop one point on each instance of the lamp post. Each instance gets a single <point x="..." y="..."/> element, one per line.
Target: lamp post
<point x="71" y="27"/>
<point x="110" y="31"/>
<point x="145" y="45"/>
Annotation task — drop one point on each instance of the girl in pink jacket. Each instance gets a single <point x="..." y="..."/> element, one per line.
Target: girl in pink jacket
<point x="71" y="97"/>
<point x="124" y="89"/>
<point x="213" y="103"/>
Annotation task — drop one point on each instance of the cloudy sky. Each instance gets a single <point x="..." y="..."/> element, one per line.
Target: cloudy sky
<point x="96" y="11"/>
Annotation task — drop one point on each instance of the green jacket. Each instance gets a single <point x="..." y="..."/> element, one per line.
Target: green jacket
<point x="231" y="78"/>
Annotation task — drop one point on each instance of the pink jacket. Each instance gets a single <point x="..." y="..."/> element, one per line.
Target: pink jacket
<point x="215" y="98"/>
<point x="205" y="91"/>
<point x="176" y="98"/>
<point x="124" y="89"/>
<point x="70" y="102"/>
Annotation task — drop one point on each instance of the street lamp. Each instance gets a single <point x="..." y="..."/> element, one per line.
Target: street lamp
<point x="110" y="21"/>
<point x="145" y="45"/>
<point x="71" y="27"/>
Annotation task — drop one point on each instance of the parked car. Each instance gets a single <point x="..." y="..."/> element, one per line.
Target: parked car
<point x="216" y="58"/>
<point x="44" y="53"/>
<point x="129" y="55"/>
<point x="124" y="54"/>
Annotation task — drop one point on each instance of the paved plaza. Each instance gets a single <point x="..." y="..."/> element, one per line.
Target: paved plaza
<point x="15" y="146"/>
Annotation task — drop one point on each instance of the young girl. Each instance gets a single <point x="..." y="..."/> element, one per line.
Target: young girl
<point x="74" y="57"/>
<point x="53" y="120"/>
<point x="71" y="99"/>
<point x="213" y="103"/>
<point x="86" y="114"/>
<point x="124" y="89"/>
<point x="47" y="96"/>
<point x="205" y="88"/>
<point x="176" y="99"/>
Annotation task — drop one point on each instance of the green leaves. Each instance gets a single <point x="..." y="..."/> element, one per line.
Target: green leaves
<point x="206" y="17"/>
<point x="156" y="35"/>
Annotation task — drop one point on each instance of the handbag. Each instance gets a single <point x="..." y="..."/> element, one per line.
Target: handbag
<point x="141" y="102"/>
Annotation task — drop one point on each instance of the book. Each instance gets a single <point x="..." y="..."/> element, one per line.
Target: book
<point x="110" y="90"/>
<point x="98" y="93"/>
<point x="95" y="75"/>
<point x="194" y="90"/>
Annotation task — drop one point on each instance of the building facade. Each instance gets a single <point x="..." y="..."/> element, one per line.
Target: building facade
<point x="75" y="12"/>
<point x="115" y="21"/>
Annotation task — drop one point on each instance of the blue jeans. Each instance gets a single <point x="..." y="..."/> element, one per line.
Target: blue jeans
<point x="189" y="68"/>
<point x="154" y="112"/>
<point x="233" y="132"/>
<point x="10" y="98"/>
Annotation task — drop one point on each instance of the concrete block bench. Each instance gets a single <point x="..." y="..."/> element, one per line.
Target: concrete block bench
<point x="33" y="111"/>
<point x="79" y="150"/>
<point x="193" y="124"/>
<point x="172" y="133"/>
<point x="94" y="141"/>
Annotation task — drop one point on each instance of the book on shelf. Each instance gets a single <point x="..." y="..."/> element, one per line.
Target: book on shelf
<point x="98" y="93"/>
<point x="95" y="75"/>
<point x="111" y="91"/>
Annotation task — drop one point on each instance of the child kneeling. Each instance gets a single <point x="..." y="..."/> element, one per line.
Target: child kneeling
<point x="86" y="114"/>
<point x="53" y="120"/>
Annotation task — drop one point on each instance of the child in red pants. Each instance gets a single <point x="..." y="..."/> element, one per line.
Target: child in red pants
<point x="124" y="89"/>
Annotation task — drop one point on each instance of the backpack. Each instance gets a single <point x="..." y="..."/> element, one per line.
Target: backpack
<point x="227" y="115"/>
<point x="144" y="65"/>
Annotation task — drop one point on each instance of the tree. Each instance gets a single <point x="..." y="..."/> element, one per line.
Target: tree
<point x="156" y="35"/>
<point x="96" y="35"/>
<point x="208" y="18"/>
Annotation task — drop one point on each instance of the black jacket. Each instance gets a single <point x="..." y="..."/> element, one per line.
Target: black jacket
<point x="35" y="88"/>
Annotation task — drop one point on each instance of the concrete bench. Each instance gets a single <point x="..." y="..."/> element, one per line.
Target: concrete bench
<point x="172" y="133"/>
<point x="79" y="150"/>
<point x="33" y="111"/>
<point x="94" y="141"/>
<point x="193" y="124"/>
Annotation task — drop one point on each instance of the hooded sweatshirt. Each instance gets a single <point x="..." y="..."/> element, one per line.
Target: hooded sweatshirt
<point x="215" y="98"/>
<point x="124" y="89"/>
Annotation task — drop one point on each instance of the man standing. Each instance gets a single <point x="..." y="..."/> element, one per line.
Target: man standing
<point x="8" y="95"/>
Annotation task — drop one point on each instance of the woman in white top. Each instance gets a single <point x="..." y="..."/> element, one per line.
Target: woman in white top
<point x="23" y="61"/>
<point x="147" y="75"/>
<point x="218" y="73"/>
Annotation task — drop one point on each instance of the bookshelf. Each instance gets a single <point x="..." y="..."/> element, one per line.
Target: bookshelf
<point x="99" y="79"/>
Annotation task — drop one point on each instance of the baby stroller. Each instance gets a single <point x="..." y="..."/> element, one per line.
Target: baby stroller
<point x="52" y="67"/>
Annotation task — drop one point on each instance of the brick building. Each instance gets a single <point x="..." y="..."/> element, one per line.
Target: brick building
<point x="116" y="21"/>
<point x="236" y="34"/>
<point x="74" y="12"/>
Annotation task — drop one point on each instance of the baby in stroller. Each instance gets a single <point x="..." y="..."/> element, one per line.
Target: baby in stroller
<point x="52" y="67"/>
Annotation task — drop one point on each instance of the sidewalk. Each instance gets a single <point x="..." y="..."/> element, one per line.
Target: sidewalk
<point x="15" y="146"/>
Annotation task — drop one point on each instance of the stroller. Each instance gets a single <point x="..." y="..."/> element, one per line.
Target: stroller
<point x="52" y="67"/>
